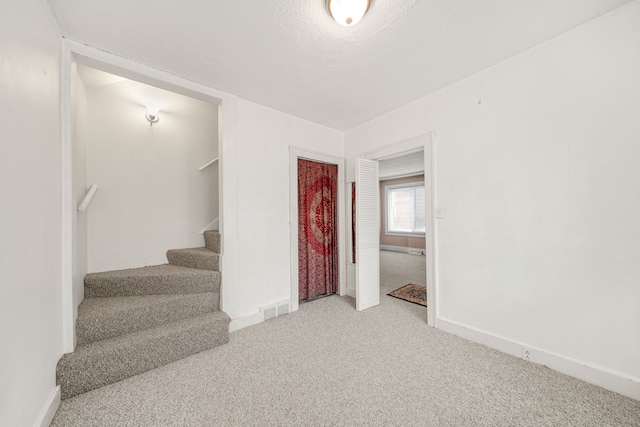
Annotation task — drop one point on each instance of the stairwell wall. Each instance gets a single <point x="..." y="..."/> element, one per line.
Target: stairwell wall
<point x="151" y="196"/>
<point x="537" y="169"/>
<point x="30" y="213"/>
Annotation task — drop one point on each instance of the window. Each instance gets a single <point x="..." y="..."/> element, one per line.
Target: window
<point x="405" y="209"/>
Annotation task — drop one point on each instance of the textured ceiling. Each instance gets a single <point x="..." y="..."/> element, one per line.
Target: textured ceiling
<point x="290" y="55"/>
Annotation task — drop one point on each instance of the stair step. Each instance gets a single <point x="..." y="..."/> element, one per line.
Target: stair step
<point x="153" y="280"/>
<point x="107" y="361"/>
<point x="107" y="317"/>
<point x="212" y="240"/>
<point x="202" y="258"/>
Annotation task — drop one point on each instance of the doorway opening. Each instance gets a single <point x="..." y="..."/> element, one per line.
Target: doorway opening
<point x="317" y="227"/>
<point x="402" y="228"/>
<point x="411" y="152"/>
<point x="318" y="273"/>
<point x="75" y="182"/>
<point x="156" y="181"/>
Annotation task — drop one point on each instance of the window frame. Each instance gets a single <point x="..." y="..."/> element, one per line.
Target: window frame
<point x="387" y="208"/>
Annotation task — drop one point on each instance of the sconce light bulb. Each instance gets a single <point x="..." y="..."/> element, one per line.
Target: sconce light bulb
<point x="152" y="115"/>
<point x="348" y="12"/>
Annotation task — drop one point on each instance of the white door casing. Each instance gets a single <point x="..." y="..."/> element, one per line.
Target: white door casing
<point x="75" y="52"/>
<point x="425" y="142"/>
<point x="294" y="154"/>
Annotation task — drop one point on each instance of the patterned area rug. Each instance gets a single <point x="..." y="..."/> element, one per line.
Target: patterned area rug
<point x="412" y="293"/>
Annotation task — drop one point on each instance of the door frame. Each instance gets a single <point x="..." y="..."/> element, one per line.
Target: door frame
<point x="296" y="153"/>
<point x="425" y="142"/>
<point x="72" y="53"/>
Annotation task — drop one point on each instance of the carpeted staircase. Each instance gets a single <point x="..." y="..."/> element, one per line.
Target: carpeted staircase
<point x="135" y="320"/>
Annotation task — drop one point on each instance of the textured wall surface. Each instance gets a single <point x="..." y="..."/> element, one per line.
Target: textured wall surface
<point x="264" y="138"/>
<point x="151" y="196"/>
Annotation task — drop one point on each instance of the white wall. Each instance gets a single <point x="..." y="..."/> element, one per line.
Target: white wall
<point x="537" y="168"/>
<point x="151" y="196"/>
<point x="30" y="211"/>
<point x="261" y="203"/>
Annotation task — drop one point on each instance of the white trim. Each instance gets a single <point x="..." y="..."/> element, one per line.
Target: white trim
<point x="425" y="142"/>
<point x="402" y="148"/>
<point x="606" y="378"/>
<point x="126" y="68"/>
<point x="351" y="293"/>
<point x="230" y="260"/>
<point x="244" y="321"/>
<point x="49" y="409"/>
<point x="417" y="235"/>
<point x="227" y="151"/>
<point x="69" y="310"/>
<point x="412" y="251"/>
<point x="294" y="154"/>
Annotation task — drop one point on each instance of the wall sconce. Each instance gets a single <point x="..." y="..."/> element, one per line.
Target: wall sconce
<point x="348" y="12"/>
<point x="152" y="115"/>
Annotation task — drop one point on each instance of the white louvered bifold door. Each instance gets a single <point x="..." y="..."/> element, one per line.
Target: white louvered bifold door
<point x="367" y="234"/>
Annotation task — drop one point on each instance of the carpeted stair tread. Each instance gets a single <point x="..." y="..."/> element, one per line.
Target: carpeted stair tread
<point x="135" y="320"/>
<point x="212" y="240"/>
<point x="153" y="280"/>
<point x="106" y="317"/>
<point x="201" y="258"/>
<point x="107" y="361"/>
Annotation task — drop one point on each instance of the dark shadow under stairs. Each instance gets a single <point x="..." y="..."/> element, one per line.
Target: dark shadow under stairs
<point x="135" y="320"/>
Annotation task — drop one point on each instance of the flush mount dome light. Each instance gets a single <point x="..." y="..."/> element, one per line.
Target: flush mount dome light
<point x="348" y="12"/>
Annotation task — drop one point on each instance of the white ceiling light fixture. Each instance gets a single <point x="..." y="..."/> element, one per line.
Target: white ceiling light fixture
<point x="348" y="12"/>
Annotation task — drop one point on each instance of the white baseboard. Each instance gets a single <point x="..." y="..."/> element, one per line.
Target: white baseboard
<point x="266" y="312"/>
<point x="603" y="377"/>
<point x="49" y="409"/>
<point x="244" y="321"/>
<point x="417" y="251"/>
<point x="351" y="292"/>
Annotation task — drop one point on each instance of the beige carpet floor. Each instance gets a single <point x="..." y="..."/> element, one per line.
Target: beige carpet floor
<point x="329" y="365"/>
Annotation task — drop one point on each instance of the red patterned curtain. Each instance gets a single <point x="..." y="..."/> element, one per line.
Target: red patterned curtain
<point x="317" y="229"/>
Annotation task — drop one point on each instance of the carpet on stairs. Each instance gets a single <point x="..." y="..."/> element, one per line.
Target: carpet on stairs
<point x="138" y="319"/>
